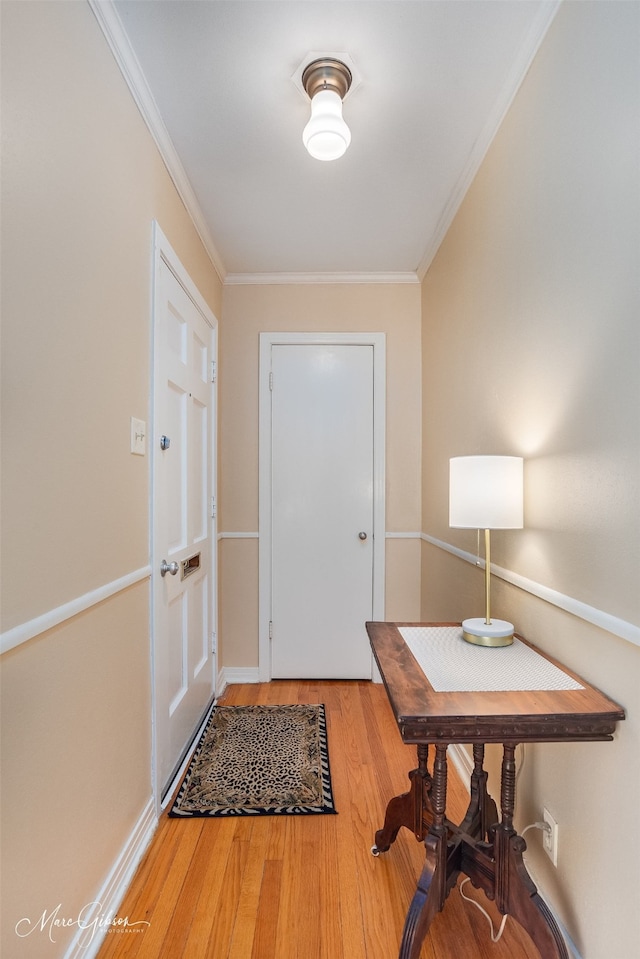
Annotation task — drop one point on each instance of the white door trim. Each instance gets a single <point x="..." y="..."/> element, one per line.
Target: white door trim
<point x="267" y="340"/>
<point x="163" y="251"/>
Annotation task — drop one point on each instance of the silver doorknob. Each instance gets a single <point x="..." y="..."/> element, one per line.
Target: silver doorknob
<point x="168" y="568"/>
<point x="362" y="535"/>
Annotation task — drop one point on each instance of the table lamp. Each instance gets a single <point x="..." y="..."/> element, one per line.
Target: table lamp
<point x="486" y="492"/>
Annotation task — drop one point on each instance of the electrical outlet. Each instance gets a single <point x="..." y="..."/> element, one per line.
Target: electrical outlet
<point x="550" y="837"/>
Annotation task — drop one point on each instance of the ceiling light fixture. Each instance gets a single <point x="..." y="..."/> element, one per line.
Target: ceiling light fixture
<point x="326" y="82"/>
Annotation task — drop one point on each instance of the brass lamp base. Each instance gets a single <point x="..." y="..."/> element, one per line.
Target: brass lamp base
<point x="481" y="633"/>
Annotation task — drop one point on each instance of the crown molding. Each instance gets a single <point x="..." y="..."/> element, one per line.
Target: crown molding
<point x="111" y="26"/>
<point x="513" y="82"/>
<point x="292" y="279"/>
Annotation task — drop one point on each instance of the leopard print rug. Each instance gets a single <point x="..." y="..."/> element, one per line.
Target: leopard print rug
<point x="257" y="761"/>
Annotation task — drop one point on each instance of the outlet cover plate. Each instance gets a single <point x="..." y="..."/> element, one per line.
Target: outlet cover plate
<point x="550" y="837"/>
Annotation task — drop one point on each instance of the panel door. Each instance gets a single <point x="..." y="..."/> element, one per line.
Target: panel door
<point x="322" y="510"/>
<point x="184" y="662"/>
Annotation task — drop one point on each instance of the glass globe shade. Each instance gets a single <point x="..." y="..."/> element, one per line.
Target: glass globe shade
<point x="326" y="135"/>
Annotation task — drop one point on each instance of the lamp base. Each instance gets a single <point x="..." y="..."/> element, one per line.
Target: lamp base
<point x="496" y="633"/>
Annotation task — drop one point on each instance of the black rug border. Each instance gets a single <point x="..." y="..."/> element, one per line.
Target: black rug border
<point x="327" y="808"/>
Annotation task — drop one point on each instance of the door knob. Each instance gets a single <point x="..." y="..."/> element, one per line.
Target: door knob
<point x="168" y="568"/>
<point x="362" y="535"/>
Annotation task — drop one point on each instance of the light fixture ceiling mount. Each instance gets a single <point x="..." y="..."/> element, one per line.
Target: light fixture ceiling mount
<point x="326" y="74"/>
<point x="326" y="82"/>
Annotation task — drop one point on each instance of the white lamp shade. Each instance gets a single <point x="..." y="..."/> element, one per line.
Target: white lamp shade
<point x="326" y="135"/>
<point x="486" y="492"/>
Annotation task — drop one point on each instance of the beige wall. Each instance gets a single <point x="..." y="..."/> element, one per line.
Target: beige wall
<point x="82" y="183"/>
<point x="536" y="287"/>
<point x="531" y="347"/>
<point x="393" y="309"/>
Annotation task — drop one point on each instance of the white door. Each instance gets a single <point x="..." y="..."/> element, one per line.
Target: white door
<point x="322" y="510"/>
<point x="183" y="507"/>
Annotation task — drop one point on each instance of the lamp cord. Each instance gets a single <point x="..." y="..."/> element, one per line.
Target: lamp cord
<point x="496" y="936"/>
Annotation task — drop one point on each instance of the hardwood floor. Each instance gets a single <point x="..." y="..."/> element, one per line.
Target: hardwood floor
<point x="305" y="887"/>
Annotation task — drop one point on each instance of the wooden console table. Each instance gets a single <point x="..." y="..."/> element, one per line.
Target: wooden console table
<point x="483" y="846"/>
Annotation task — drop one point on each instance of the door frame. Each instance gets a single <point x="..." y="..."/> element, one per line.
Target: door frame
<point x="267" y="341"/>
<point x="164" y="252"/>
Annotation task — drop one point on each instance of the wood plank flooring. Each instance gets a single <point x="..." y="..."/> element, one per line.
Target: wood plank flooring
<point x="305" y="887"/>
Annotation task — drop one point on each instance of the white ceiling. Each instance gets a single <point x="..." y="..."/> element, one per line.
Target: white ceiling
<point x="436" y="78"/>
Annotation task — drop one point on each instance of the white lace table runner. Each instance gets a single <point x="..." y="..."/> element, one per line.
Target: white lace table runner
<point x="454" y="666"/>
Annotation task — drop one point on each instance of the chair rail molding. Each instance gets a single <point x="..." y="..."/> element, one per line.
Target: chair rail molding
<point x="590" y="614"/>
<point x="22" y="633"/>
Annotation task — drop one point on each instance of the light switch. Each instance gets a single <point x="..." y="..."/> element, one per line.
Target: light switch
<point x="138" y="436"/>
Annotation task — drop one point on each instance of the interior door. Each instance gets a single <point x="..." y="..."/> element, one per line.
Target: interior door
<point x="322" y="499"/>
<point x="183" y="555"/>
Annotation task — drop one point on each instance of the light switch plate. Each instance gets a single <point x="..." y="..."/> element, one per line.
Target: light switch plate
<point x="138" y="436"/>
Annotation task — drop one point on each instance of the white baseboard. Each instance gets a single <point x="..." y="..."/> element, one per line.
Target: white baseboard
<point x="221" y="684"/>
<point x="97" y="921"/>
<point x="569" y="943"/>
<point x="230" y="675"/>
<point x="462" y="761"/>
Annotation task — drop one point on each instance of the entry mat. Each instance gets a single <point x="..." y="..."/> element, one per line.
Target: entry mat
<point x="259" y="761"/>
<point x="454" y="666"/>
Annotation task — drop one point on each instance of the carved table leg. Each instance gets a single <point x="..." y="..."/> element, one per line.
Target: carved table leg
<point x="432" y="888"/>
<point x="496" y="866"/>
<point x="407" y="810"/>
<point x="482" y="812"/>
<point x="516" y="893"/>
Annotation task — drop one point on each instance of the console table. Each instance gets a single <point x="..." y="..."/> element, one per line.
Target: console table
<point x="447" y="691"/>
